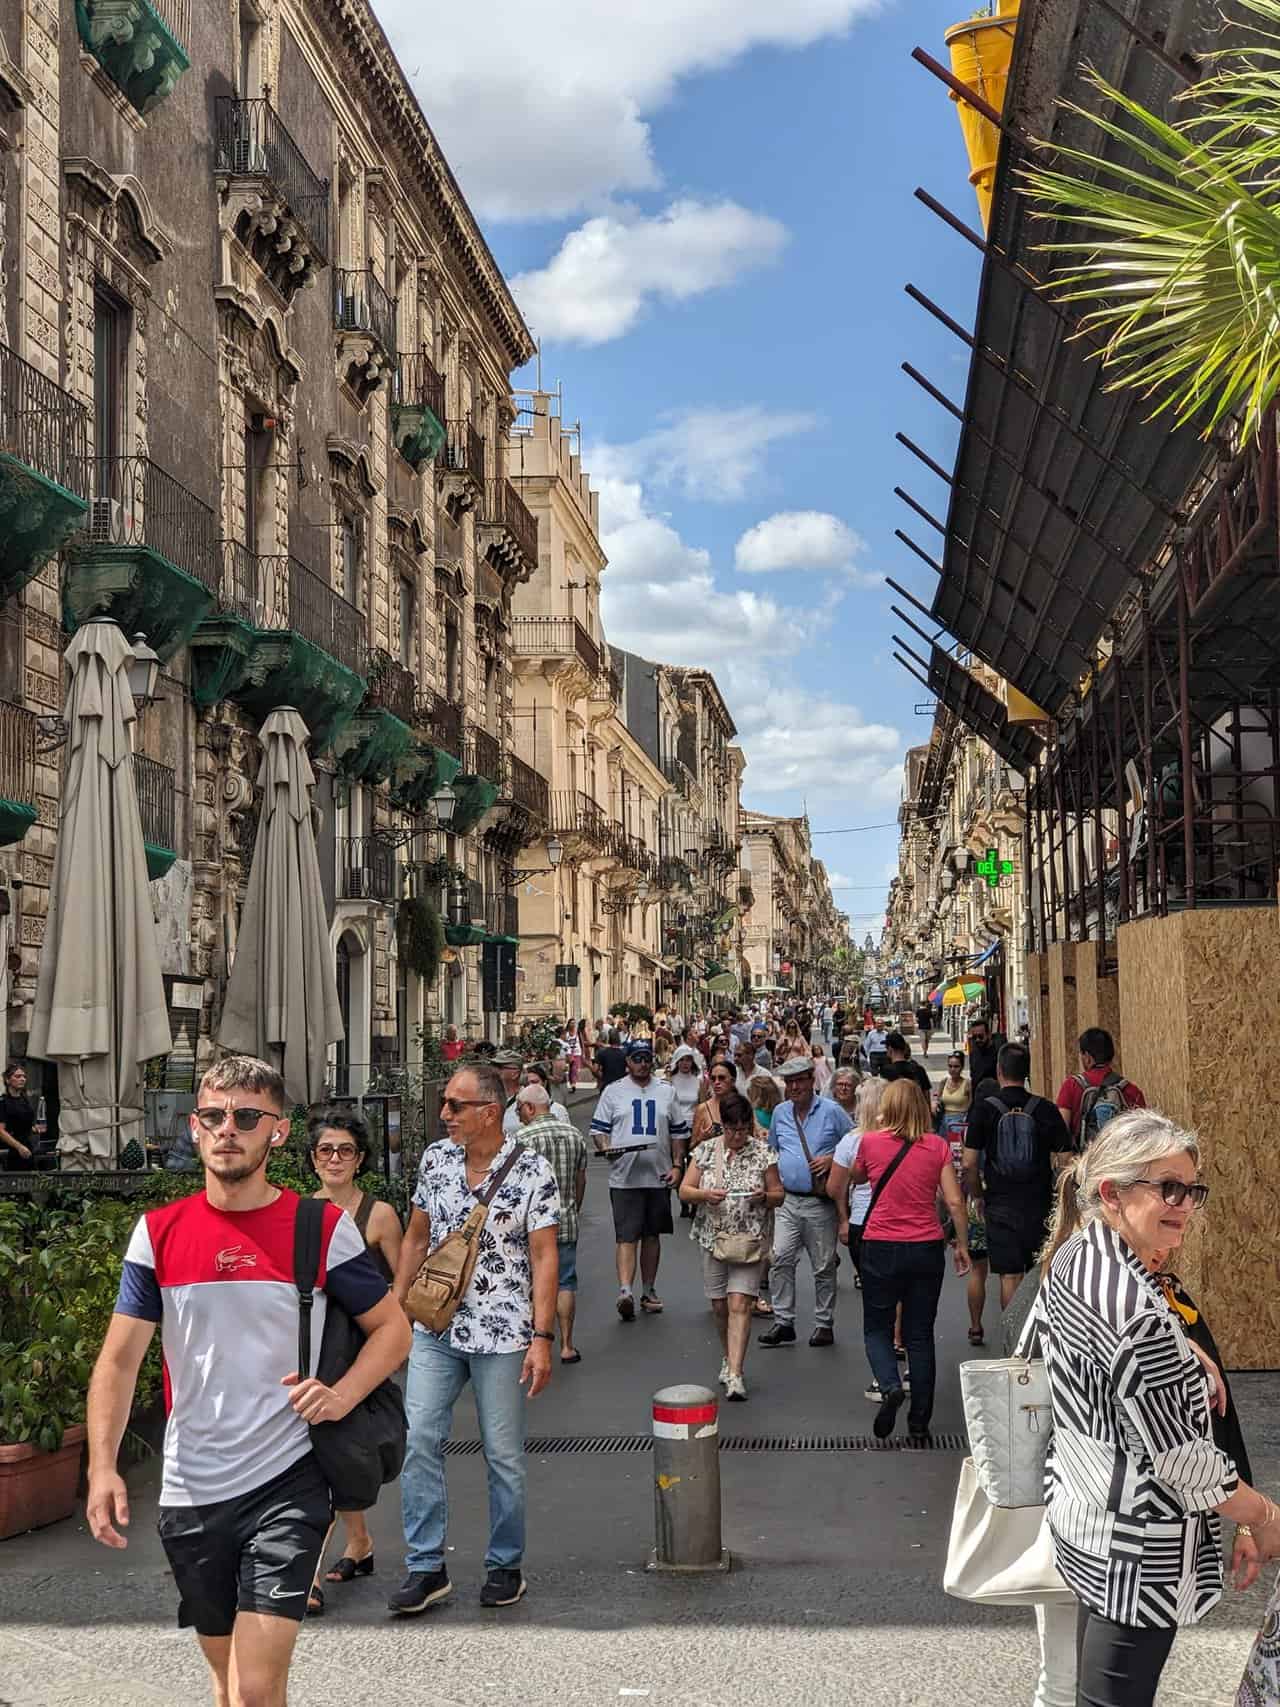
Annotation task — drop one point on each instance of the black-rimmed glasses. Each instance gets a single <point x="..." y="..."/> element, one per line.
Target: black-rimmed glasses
<point x="1175" y="1192"/>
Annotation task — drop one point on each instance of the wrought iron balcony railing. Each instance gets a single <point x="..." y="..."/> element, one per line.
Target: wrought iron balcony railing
<point x="134" y="502"/>
<point x="42" y="425"/>
<point x="251" y="141"/>
<point x="419" y="383"/>
<point x="463" y="452"/>
<point x="555" y="637"/>
<point x="154" y="784"/>
<point x="281" y="592"/>
<point x="576" y="814"/>
<point x="502" y="915"/>
<point x="366" y="869"/>
<point x="391" y="687"/>
<point x="528" y="788"/>
<point x="17" y="753"/>
<point x="441" y="721"/>
<point x="484" y="755"/>
<point x="504" y="508"/>
<point x="361" y="304"/>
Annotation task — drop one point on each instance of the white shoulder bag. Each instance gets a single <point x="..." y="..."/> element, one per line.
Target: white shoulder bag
<point x="1008" y="1414"/>
<point x="1000" y="1552"/>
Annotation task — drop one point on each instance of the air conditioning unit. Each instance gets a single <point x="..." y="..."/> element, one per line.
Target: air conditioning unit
<point x="108" y="519"/>
<point x="243" y="156"/>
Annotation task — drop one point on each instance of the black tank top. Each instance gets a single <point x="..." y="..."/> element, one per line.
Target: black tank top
<point x="361" y="1218"/>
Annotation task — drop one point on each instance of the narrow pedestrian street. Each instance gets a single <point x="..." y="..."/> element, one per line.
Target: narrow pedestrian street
<point x="836" y="1586"/>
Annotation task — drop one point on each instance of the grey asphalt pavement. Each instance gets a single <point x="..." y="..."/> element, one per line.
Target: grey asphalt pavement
<point x="835" y="1594"/>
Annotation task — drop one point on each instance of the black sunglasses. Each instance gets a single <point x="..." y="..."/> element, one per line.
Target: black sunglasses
<point x="243" y="1119"/>
<point x="1175" y="1193"/>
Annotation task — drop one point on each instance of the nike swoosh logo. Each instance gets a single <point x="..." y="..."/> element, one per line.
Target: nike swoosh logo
<point x="288" y="1594"/>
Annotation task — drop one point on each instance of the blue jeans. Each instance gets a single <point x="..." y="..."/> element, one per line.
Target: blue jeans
<point x="437" y="1375"/>
<point x="896" y="1273"/>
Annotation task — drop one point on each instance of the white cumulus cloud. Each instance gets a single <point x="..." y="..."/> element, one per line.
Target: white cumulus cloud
<point x="806" y="745"/>
<point x="713" y="452"/>
<point x="800" y="539"/>
<point x="600" y="280"/>
<point x="543" y="109"/>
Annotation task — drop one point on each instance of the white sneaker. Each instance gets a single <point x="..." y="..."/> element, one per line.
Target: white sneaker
<point x="724" y="1373"/>
<point x="735" y="1388"/>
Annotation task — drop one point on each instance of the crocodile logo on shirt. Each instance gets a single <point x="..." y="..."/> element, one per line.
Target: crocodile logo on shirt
<point x="235" y="1256"/>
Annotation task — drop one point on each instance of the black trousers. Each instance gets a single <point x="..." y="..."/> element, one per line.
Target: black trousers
<point x="1119" y="1665"/>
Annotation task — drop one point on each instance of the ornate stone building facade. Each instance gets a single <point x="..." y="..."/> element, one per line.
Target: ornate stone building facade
<point x="255" y="406"/>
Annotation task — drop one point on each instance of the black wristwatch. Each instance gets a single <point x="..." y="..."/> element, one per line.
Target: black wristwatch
<point x="539" y="1335"/>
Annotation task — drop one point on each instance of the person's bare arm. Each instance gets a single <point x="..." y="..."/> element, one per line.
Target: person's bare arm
<point x="111" y="1388"/>
<point x="388" y="1337"/>
<point x="580" y="1183"/>
<point x="544" y="1259"/>
<point x="14" y="1144"/>
<point x="387" y="1234"/>
<point x="953" y="1197"/>
<point x="973" y="1174"/>
<point x="413" y="1252"/>
<point x="773" y="1192"/>
<point x="838" y="1192"/>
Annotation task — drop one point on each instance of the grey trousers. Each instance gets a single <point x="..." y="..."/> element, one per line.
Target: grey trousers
<point x="809" y="1224"/>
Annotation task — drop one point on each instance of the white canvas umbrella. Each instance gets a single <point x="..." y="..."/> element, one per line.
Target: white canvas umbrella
<point x="282" y="996"/>
<point x="100" y="1008"/>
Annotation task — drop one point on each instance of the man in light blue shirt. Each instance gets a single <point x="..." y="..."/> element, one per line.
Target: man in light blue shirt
<point x="804" y="1131"/>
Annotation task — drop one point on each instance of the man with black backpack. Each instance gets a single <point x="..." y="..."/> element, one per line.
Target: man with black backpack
<point x="1013" y="1144"/>
<point x="1094" y="1095"/>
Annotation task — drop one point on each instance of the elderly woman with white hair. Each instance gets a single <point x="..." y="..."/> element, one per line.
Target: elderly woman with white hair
<point x="1136" y="1483"/>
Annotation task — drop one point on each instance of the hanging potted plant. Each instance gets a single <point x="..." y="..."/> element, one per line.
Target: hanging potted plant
<point x="419" y="937"/>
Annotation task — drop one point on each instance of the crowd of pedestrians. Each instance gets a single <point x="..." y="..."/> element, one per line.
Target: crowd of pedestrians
<point x="783" y="1135"/>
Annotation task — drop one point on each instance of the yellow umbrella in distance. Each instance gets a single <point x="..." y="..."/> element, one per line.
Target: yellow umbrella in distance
<point x="960" y="991"/>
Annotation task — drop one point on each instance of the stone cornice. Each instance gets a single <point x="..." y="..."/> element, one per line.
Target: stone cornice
<point x="370" y="52"/>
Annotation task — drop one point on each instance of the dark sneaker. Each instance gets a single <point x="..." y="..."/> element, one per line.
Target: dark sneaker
<point x="822" y="1336"/>
<point x="918" y="1436"/>
<point x="781" y="1333"/>
<point x="502" y="1588"/>
<point x="887" y="1415"/>
<point x="626" y="1307"/>
<point x="419" y="1590"/>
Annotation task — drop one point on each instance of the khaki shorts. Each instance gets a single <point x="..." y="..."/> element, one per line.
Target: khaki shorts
<point x="721" y="1278"/>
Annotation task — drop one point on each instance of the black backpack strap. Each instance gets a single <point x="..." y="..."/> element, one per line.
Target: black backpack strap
<point x="1004" y="1108"/>
<point x="1032" y="1103"/>
<point x="308" y="1225"/>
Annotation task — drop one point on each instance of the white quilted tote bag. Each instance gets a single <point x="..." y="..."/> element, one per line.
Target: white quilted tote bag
<point x="1010" y="1421"/>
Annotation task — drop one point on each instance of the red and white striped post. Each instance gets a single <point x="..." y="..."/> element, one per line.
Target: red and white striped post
<point x="686" y="1481"/>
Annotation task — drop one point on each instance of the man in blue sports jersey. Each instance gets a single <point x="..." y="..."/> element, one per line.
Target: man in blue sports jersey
<point x="641" y="1127"/>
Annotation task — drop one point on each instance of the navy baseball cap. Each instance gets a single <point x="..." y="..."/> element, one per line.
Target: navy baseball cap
<point x="641" y="1046"/>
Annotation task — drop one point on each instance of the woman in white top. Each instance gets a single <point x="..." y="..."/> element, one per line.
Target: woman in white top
<point x="571" y="1049"/>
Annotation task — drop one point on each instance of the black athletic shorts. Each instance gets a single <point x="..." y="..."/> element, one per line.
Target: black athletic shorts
<point x="257" y="1552"/>
<point x="1016" y="1232"/>
<point x="640" y="1212"/>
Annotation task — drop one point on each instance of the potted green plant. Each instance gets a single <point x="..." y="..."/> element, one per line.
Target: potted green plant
<point x="59" y="1272"/>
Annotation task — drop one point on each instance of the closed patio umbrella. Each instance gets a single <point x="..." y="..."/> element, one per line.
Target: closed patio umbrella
<point x="100" y="1007"/>
<point x="282" y="996"/>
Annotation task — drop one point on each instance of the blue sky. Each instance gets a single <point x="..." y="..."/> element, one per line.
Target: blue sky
<point x="706" y="211"/>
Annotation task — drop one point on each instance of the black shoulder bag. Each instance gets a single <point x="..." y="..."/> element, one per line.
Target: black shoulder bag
<point x="366" y="1448"/>
<point x="857" y="1234"/>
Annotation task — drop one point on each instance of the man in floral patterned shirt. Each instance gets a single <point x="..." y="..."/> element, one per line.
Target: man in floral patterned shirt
<point x="499" y="1339"/>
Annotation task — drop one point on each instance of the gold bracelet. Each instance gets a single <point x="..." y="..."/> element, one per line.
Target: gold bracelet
<point x="1244" y="1529"/>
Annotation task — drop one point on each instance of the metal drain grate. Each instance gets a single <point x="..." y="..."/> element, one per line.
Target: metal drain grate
<point x="728" y="1443"/>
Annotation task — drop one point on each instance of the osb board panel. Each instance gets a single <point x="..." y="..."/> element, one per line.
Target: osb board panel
<point x="1174" y="976"/>
<point x="1234" y="949"/>
<point x="1097" y="999"/>
<point x="1038" y="1019"/>
<point x="1060" y="960"/>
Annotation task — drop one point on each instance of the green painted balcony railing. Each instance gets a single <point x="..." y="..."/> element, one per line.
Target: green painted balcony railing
<point x="148" y="557"/>
<point x="139" y="44"/>
<point x="44" y="441"/>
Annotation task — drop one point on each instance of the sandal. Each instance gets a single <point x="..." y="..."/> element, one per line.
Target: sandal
<point x="315" y="1603"/>
<point x="575" y="1358"/>
<point x="347" y="1567"/>
<point x="977" y="1337"/>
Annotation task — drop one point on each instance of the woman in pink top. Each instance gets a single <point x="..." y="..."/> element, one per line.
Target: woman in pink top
<point x="903" y="1253"/>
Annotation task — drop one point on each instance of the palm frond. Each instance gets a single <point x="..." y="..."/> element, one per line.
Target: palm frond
<point x="1174" y="245"/>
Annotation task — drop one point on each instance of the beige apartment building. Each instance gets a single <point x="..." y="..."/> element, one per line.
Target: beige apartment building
<point x="255" y="357"/>
<point x="792" y="931"/>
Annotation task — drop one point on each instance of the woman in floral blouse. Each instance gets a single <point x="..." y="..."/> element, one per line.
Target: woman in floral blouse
<point x="733" y="1179"/>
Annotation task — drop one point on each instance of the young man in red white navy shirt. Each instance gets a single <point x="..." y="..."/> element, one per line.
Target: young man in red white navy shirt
<point x="244" y="1510"/>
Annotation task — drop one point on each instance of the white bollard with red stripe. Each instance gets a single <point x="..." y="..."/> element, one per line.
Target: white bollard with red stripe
<point x="686" y="1481"/>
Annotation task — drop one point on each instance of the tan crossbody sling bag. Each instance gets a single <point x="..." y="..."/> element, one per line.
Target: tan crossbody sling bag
<point x="441" y="1283"/>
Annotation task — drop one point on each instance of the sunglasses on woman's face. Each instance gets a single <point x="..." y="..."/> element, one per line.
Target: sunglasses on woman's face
<point x="1175" y="1192"/>
<point x="336" y="1152"/>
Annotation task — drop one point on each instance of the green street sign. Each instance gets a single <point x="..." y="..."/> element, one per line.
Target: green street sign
<point x="994" y="869"/>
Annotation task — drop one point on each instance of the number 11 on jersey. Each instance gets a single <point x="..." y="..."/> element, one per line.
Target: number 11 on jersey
<point x="640" y="1107"/>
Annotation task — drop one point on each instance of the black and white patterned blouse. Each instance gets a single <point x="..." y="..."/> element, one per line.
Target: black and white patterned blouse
<point x="1133" y="1472"/>
<point x="496" y="1311"/>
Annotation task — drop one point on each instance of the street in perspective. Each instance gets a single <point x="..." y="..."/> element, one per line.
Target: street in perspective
<point x="639" y="853"/>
